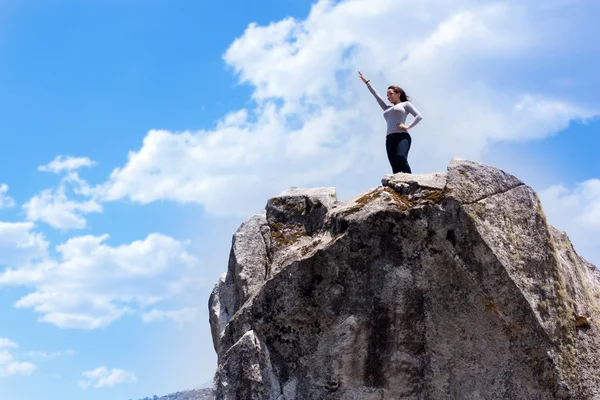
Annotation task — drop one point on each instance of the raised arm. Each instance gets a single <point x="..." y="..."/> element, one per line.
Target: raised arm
<point x="384" y="106"/>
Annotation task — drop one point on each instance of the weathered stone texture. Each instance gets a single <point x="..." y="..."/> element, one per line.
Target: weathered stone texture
<point x="440" y="286"/>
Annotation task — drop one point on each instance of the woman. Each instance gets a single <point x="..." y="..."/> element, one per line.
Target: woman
<point x="398" y="140"/>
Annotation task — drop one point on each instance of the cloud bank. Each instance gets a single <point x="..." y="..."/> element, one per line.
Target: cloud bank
<point x="92" y="284"/>
<point x="314" y="123"/>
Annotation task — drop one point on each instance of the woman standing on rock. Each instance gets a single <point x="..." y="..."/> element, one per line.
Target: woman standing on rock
<point x="398" y="140"/>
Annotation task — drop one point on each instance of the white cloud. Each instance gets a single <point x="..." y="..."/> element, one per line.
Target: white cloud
<point x="96" y="373"/>
<point x="210" y="169"/>
<point x="80" y="186"/>
<point x="5" y="201"/>
<point x="186" y="314"/>
<point x="44" y="355"/>
<point x="546" y="115"/>
<point x="8" y="365"/>
<point x="66" y="163"/>
<point x="93" y="284"/>
<point x="316" y="124"/>
<point x="7" y="343"/>
<point x="53" y="208"/>
<point x="23" y="368"/>
<point x="101" y="377"/>
<point x="576" y="211"/>
<point x="20" y="245"/>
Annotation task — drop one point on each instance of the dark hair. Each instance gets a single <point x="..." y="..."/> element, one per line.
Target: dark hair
<point x="398" y="89"/>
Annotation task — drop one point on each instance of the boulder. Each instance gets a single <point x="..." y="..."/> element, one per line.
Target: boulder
<point x="439" y="286"/>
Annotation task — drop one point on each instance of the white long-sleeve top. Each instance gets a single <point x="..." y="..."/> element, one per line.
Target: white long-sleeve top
<point x="395" y="114"/>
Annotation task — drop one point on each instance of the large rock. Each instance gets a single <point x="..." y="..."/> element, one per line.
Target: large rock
<point x="440" y="286"/>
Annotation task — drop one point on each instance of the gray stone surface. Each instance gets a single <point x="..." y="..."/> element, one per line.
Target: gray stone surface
<point x="400" y="181"/>
<point x="439" y="286"/>
<point x="248" y="266"/>
<point x="248" y="361"/>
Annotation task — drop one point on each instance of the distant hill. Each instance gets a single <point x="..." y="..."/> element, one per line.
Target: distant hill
<point x="196" y="394"/>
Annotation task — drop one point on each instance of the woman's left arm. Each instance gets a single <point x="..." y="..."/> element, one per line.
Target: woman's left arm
<point x="415" y="113"/>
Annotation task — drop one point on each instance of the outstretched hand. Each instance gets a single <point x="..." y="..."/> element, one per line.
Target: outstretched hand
<point x="362" y="77"/>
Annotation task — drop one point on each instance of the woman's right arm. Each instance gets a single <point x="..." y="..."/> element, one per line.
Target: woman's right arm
<point x="378" y="97"/>
<point x="384" y="106"/>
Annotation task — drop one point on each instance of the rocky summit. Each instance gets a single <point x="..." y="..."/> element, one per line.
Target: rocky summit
<point x="440" y="286"/>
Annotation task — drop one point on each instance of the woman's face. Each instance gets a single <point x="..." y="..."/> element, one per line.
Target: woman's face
<point x="393" y="97"/>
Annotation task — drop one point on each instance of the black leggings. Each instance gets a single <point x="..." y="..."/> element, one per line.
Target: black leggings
<point x="397" y="145"/>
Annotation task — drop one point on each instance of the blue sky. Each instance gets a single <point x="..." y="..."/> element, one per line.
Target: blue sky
<point x="138" y="135"/>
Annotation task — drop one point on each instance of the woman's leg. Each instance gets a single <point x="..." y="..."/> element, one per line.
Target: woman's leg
<point x="391" y="146"/>
<point x="397" y="147"/>
<point x="402" y="155"/>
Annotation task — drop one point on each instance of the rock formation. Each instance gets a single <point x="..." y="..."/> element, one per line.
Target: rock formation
<point x="439" y="286"/>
